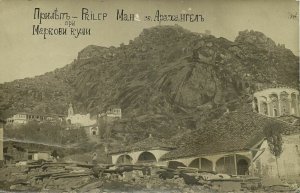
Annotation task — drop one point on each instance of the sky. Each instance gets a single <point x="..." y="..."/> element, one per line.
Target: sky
<point x="26" y="55"/>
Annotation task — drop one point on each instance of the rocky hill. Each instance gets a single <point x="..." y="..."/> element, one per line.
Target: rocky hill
<point x="165" y="80"/>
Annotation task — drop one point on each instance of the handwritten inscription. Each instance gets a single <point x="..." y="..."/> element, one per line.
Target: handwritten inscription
<point x="41" y="28"/>
<point x="123" y="16"/>
<point x="90" y="15"/>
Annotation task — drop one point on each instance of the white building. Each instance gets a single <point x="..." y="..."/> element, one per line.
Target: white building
<point x="23" y="118"/>
<point x="114" y="113"/>
<point x="274" y="102"/>
<point x="78" y="119"/>
<point x="287" y="165"/>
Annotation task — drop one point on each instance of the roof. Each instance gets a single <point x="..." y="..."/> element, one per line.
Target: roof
<point x="40" y="114"/>
<point x="149" y="143"/>
<point x="272" y="86"/>
<point x="234" y="131"/>
<point x="30" y="144"/>
<point x="291" y="119"/>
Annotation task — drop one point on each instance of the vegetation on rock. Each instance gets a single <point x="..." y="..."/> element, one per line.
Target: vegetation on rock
<point x="166" y="80"/>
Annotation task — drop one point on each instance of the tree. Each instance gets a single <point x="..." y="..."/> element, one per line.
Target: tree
<point x="272" y="132"/>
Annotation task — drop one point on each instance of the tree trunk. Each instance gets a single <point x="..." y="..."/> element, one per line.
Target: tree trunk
<point x="277" y="167"/>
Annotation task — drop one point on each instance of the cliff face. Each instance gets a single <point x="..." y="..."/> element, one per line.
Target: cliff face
<point x="165" y="73"/>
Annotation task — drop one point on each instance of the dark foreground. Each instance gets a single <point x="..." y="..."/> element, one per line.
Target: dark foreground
<point x="76" y="177"/>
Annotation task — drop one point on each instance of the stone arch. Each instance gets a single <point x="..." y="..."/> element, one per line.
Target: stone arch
<point x="94" y="131"/>
<point x="264" y="108"/>
<point x="146" y="157"/>
<point x="226" y="165"/>
<point x="233" y="164"/>
<point x="284" y="103"/>
<point x="263" y="105"/>
<point x="124" y="159"/>
<point x="242" y="167"/>
<point x="294" y="109"/>
<point x="175" y="164"/>
<point x="195" y="163"/>
<point x="274" y="105"/>
<point x="243" y="164"/>
<point x="202" y="164"/>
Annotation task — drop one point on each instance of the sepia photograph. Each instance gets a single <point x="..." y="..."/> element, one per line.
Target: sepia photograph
<point x="149" y="96"/>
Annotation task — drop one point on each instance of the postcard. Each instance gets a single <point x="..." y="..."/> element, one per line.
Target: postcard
<point x="149" y="96"/>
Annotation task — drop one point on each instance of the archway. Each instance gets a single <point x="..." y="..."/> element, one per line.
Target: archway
<point x="242" y="167"/>
<point x="175" y="164"/>
<point x="226" y="165"/>
<point x="274" y="105"/>
<point x="124" y="159"/>
<point x="146" y="157"/>
<point x="294" y="110"/>
<point x="284" y="103"/>
<point x="94" y="131"/>
<point x="264" y="108"/>
<point x="195" y="163"/>
<point x="202" y="164"/>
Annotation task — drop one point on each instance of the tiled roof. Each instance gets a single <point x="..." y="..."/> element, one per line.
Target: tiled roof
<point x="291" y="119"/>
<point x="234" y="131"/>
<point x="146" y="144"/>
<point x="269" y="86"/>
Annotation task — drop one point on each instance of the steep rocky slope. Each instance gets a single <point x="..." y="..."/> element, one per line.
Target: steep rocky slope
<point x="166" y="79"/>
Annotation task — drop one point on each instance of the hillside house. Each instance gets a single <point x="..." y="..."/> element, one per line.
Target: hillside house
<point x="23" y="118"/>
<point x="114" y="112"/>
<point x="39" y="155"/>
<point x="16" y="151"/>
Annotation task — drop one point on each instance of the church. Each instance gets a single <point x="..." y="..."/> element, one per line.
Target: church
<point x="234" y="144"/>
<point x="85" y="121"/>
